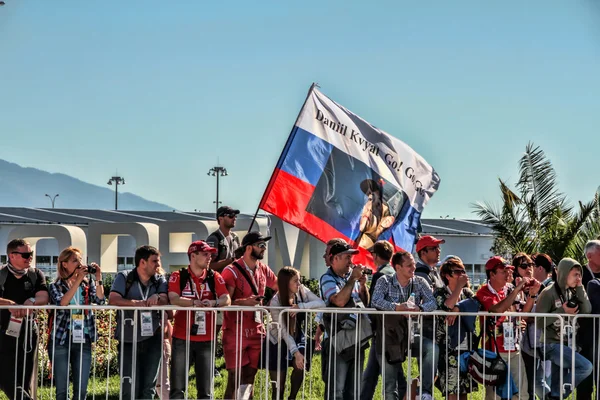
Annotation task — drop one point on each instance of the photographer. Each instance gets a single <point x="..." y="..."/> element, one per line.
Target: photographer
<point x="72" y="332"/>
<point x="344" y="285"/>
<point x="565" y="296"/>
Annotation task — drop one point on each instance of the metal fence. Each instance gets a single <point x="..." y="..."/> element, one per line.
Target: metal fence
<point x="399" y="355"/>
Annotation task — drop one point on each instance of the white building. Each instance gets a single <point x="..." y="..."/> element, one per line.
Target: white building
<point x="110" y="237"/>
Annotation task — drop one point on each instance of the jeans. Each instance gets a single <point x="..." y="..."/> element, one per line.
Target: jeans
<point x="17" y="373"/>
<point x="583" y="368"/>
<point x="146" y="361"/>
<point x="394" y="379"/>
<point x="371" y="374"/>
<point x="77" y="359"/>
<point x="343" y="377"/>
<point x="202" y="354"/>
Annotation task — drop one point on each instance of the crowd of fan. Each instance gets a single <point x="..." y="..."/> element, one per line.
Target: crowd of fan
<point x="222" y="272"/>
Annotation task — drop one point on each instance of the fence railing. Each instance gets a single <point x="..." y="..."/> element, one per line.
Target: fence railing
<point x="413" y="354"/>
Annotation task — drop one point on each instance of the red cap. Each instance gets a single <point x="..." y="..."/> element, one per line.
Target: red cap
<point x="497" y="261"/>
<point x="200" y="245"/>
<point x="428" y="241"/>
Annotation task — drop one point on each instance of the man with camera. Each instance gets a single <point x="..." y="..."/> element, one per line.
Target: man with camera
<point x="497" y="296"/>
<point x="343" y="285"/>
<point x="20" y="285"/>
<point x="382" y="252"/>
<point x="565" y="296"/>
<point x="403" y="291"/>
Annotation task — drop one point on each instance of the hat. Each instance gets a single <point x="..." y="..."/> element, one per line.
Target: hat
<point x="342" y="248"/>
<point x="497" y="261"/>
<point x="428" y="241"/>
<point x="200" y="245"/>
<point x="254" y="237"/>
<point x="225" y="210"/>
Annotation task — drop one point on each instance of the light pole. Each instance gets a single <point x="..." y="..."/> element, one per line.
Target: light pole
<point x="52" y="198"/>
<point x="118" y="181"/>
<point x="217" y="171"/>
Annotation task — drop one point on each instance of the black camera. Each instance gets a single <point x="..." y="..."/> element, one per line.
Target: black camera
<point x="91" y="269"/>
<point x="572" y="303"/>
<point x="367" y="271"/>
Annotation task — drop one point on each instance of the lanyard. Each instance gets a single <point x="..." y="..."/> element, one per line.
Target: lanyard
<point x="144" y="295"/>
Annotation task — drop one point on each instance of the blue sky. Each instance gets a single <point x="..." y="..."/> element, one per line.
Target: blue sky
<point x="163" y="90"/>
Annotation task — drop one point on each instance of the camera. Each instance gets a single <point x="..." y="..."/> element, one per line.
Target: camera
<point x="91" y="269"/>
<point x="367" y="271"/>
<point x="572" y="303"/>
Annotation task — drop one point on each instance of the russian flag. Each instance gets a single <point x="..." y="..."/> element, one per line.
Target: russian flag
<point x="341" y="177"/>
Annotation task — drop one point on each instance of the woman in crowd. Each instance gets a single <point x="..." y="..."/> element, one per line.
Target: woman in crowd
<point x="564" y="296"/>
<point x="72" y="332"/>
<point x="451" y="382"/>
<point x="295" y="349"/>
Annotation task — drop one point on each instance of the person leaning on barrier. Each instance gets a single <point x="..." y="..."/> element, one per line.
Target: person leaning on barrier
<point x="143" y="287"/>
<point x="295" y="350"/>
<point x="20" y="285"/>
<point x="343" y="285"/>
<point x="382" y="252"/>
<point x="525" y="268"/>
<point x="72" y="332"/>
<point x="243" y="332"/>
<point x="195" y="286"/>
<point x="565" y="296"/>
<point x="320" y="333"/>
<point x="406" y="292"/>
<point x="452" y="383"/>
<point x="591" y="271"/>
<point x="497" y="296"/>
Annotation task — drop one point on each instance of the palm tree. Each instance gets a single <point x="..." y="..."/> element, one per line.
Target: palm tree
<point x="536" y="217"/>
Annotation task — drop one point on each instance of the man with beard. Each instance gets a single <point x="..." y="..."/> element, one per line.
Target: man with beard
<point x="243" y="332"/>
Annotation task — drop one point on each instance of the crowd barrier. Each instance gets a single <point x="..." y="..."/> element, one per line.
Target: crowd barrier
<point x="417" y="366"/>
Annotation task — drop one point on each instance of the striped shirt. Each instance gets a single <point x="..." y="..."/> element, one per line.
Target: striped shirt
<point x="331" y="283"/>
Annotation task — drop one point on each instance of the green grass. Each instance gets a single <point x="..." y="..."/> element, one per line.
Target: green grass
<point x="313" y="385"/>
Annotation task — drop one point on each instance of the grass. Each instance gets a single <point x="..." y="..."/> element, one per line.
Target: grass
<point x="313" y="387"/>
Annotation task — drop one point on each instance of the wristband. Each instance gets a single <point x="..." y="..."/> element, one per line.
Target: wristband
<point x="534" y="297"/>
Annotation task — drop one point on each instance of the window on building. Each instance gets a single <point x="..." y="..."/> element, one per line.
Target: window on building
<point x="130" y="261"/>
<point x="120" y="260"/>
<point x="3" y="259"/>
<point x="42" y="259"/>
<point x="54" y="259"/>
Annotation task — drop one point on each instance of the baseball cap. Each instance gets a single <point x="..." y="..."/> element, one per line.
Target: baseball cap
<point x="226" y="210"/>
<point x="342" y="248"/>
<point x="200" y="245"/>
<point x="497" y="261"/>
<point x="428" y="241"/>
<point x="254" y="237"/>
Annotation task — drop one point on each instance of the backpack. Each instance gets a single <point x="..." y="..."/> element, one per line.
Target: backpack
<point x="220" y="246"/>
<point x="4" y="274"/>
<point x="133" y="277"/>
<point x="185" y="277"/>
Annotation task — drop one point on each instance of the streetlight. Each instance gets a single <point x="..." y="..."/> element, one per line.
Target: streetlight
<point x="52" y="198"/>
<point x="118" y="181"/>
<point x="217" y="171"/>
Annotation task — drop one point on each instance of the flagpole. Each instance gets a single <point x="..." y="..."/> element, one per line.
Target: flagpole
<point x="312" y="87"/>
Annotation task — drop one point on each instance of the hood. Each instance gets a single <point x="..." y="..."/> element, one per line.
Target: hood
<point x="562" y="271"/>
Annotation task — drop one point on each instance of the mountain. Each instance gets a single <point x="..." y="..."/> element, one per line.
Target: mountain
<point x="26" y="187"/>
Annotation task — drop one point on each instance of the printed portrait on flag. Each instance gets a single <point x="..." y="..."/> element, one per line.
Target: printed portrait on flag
<point x="355" y="200"/>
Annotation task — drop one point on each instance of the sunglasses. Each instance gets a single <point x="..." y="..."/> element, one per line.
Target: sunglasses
<point x="261" y="245"/>
<point x="25" y="255"/>
<point x="526" y="265"/>
<point x="432" y="248"/>
<point x="459" y="272"/>
<point x="231" y="215"/>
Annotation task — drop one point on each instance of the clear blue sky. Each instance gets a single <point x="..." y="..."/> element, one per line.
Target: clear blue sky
<point x="163" y="90"/>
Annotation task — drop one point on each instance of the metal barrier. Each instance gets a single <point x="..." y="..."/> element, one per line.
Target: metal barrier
<point x="424" y="343"/>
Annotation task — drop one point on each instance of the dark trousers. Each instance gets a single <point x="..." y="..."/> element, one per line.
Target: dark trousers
<point x="202" y="355"/>
<point x="530" y="367"/>
<point x="343" y="378"/>
<point x="587" y="339"/>
<point x="146" y="361"/>
<point x="16" y="372"/>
